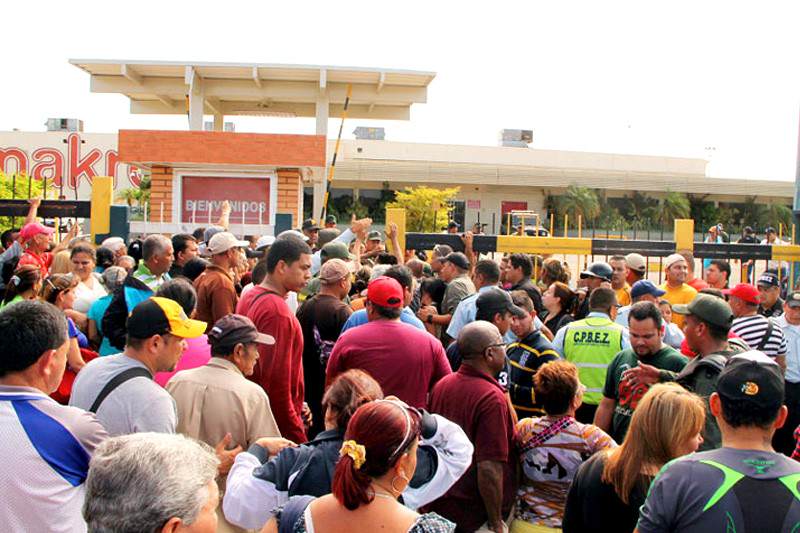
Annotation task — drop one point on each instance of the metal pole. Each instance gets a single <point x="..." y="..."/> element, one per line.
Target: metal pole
<point x="336" y="153"/>
<point x="13" y="195"/>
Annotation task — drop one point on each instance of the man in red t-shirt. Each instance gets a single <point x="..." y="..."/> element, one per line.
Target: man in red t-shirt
<point x="280" y="366"/>
<point x="473" y="399"/>
<point x="38" y="238"/>
<point x="407" y="362"/>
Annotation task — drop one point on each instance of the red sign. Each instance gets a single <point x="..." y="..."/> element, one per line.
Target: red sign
<point x="506" y="207"/>
<point x="202" y="198"/>
<point x="473" y="204"/>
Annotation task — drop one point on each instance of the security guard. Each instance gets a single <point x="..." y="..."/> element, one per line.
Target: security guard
<point x="591" y="344"/>
<point x="596" y="275"/>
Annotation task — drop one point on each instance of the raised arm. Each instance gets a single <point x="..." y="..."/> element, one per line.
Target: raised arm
<point x="442" y="458"/>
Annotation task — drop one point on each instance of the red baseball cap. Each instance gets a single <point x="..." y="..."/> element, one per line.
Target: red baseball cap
<point x="385" y="291"/>
<point x="31" y="230"/>
<point x="744" y="291"/>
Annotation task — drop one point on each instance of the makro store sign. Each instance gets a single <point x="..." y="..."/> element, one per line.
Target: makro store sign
<point x="70" y="161"/>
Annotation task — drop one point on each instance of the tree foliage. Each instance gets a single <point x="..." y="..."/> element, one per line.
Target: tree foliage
<point x="674" y="205"/>
<point x="21" y="186"/>
<point x="138" y="197"/>
<point x="581" y="201"/>
<point x="426" y="207"/>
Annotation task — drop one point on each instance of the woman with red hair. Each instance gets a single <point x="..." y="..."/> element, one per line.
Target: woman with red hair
<point x="378" y="460"/>
<point x="258" y="484"/>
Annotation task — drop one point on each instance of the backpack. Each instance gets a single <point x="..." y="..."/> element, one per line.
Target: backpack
<point x="324" y="348"/>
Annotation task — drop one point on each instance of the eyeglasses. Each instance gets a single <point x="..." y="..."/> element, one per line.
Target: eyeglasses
<point x="497" y="345"/>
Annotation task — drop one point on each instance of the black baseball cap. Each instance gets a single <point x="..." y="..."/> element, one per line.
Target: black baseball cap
<point x="707" y="308"/>
<point x="793" y="299"/>
<point x="769" y="278"/>
<point x="458" y="259"/>
<point x="231" y="330"/>
<point x="753" y="377"/>
<point x="158" y="316"/>
<point x="310" y="225"/>
<point x="496" y="299"/>
<point x="453" y="224"/>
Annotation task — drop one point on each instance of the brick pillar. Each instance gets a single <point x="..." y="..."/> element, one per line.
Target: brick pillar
<point x="160" y="192"/>
<point x="290" y="193"/>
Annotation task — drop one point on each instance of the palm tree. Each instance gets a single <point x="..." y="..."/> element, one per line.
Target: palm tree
<point x="581" y="201"/>
<point x="129" y="196"/>
<point x="674" y="205"/>
<point x="775" y="214"/>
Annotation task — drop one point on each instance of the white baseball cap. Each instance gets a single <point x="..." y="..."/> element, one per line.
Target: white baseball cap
<point x="293" y="233"/>
<point x="224" y="241"/>
<point x="264" y="241"/>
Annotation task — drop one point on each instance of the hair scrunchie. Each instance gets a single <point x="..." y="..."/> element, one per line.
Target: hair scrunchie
<point x="355" y="451"/>
<point x="15" y="280"/>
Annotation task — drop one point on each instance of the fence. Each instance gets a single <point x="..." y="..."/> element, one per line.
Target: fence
<point x="579" y="250"/>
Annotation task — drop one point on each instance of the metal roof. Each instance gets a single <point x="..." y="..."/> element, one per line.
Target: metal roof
<point x="438" y="164"/>
<point x="162" y="87"/>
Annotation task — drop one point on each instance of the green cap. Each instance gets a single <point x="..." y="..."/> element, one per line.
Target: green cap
<point x="336" y="250"/>
<point x="707" y="308"/>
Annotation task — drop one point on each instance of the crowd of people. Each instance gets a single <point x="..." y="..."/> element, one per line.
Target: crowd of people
<point x="329" y="380"/>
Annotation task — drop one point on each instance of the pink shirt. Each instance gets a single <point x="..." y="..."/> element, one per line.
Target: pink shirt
<point x="197" y="354"/>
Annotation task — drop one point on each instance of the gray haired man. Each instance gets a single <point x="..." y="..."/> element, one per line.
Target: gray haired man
<point x="152" y="482"/>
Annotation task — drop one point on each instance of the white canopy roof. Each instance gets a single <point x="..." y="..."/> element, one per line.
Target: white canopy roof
<point x="163" y="87"/>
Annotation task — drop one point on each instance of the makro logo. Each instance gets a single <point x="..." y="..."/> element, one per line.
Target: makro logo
<point x="67" y="164"/>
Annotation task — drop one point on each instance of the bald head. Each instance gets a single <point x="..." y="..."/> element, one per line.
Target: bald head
<point x="475" y="337"/>
<point x="416" y="266"/>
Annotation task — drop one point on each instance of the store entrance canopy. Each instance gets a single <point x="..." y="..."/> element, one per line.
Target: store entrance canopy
<point x="219" y="89"/>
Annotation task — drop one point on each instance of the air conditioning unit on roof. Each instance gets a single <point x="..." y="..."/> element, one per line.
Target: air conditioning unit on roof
<point x="516" y="138"/>
<point x="64" y="124"/>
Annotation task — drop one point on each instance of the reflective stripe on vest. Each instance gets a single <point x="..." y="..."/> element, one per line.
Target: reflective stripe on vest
<point x="591" y="344"/>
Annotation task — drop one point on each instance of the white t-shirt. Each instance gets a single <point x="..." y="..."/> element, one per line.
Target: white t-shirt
<point x="85" y="296"/>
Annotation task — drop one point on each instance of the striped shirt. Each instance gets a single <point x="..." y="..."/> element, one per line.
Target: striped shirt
<point x="47" y="448"/>
<point x="752" y="329"/>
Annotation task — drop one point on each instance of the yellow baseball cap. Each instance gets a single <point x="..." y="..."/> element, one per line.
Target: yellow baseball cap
<point x="157" y="316"/>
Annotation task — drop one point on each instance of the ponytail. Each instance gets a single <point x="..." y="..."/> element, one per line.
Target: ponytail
<point x="25" y="278"/>
<point x="351" y="484"/>
<point x="377" y="436"/>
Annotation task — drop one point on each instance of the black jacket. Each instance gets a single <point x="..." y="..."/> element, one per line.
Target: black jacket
<point x="315" y="461"/>
<point x="533" y="293"/>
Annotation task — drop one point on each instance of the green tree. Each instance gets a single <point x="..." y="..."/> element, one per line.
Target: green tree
<point x="775" y="214"/>
<point x="140" y="195"/>
<point x="129" y="196"/>
<point x="674" y="205"/>
<point x="21" y="186"/>
<point x="639" y="209"/>
<point x="426" y="207"/>
<point x="344" y="206"/>
<point x="581" y="201"/>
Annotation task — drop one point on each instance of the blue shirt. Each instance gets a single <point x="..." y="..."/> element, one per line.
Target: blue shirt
<point x="465" y="313"/>
<point x="792" y="335"/>
<point x="96" y="313"/>
<point x="673" y="336"/>
<point x="558" y="341"/>
<point x="359" y="318"/>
